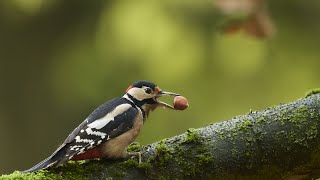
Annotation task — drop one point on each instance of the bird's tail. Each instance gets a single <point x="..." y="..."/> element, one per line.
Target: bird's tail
<point x="42" y="165"/>
<point x="55" y="159"/>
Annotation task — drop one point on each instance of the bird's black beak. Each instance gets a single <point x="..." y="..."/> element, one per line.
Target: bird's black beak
<point x="165" y="93"/>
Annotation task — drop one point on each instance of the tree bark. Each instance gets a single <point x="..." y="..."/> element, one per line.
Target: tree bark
<point x="281" y="142"/>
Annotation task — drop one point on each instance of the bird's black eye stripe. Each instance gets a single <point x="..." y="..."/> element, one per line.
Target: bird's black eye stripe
<point x="148" y="90"/>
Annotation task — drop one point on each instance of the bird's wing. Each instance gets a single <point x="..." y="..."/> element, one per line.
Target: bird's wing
<point x="98" y="113"/>
<point x="107" y="121"/>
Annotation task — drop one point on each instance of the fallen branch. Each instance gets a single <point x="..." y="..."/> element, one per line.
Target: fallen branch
<point x="279" y="142"/>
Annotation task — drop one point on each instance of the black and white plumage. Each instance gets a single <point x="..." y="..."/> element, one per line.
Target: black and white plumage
<point x="109" y="129"/>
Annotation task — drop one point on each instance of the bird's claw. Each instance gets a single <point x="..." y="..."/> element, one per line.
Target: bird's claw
<point x="136" y="154"/>
<point x="135" y="143"/>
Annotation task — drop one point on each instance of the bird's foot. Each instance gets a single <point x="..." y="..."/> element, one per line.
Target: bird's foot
<point x="135" y="143"/>
<point x="136" y="154"/>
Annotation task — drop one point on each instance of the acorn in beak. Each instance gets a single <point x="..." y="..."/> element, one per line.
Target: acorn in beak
<point x="164" y="93"/>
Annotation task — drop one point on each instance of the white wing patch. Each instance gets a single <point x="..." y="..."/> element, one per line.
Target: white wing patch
<point x="82" y="150"/>
<point x="100" y="123"/>
<point x="78" y="139"/>
<point x="99" y="142"/>
<point x="75" y="148"/>
<point x="96" y="133"/>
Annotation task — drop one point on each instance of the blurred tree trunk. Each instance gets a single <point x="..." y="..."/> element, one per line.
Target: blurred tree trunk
<point x="276" y="143"/>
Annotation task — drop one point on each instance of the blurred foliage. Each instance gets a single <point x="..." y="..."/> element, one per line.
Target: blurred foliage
<point x="59" y="60"/>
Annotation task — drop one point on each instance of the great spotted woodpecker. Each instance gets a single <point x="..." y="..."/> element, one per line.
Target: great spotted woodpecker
<point x="108" y="130"/>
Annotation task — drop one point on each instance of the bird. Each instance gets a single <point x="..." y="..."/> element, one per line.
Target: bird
<point x="109" y="129"/>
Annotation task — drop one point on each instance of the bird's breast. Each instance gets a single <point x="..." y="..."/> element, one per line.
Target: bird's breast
<point x="117" y="147"/>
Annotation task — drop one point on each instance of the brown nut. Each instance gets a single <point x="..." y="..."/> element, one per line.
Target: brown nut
<point x="180" y="103"/>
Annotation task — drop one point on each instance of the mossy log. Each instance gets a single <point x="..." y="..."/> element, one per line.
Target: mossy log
<point x="280" y="142"/>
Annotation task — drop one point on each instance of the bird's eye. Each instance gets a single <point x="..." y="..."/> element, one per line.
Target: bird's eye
<point x="148" y="90"/>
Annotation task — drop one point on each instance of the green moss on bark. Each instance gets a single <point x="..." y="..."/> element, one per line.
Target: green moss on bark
<point x="191" y="136"/>
<point x="312" y="91"/>
<point x="42" y="174"/>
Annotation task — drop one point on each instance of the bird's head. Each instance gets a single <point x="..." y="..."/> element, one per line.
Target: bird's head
<point x="147" y="93"/>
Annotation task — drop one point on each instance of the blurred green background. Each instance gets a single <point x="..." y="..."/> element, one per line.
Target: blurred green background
<point x="59" y="60"/>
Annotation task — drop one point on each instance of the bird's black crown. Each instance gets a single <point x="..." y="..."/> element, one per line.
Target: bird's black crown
<point x="141" y="83"/>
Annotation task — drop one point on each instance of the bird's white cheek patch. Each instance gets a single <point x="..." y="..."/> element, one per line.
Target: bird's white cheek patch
<point x="139" y="94"/>
<point x="100" y="123"/>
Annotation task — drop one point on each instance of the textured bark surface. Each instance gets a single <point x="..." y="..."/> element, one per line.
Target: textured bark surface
<point x="279" y="142"/>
